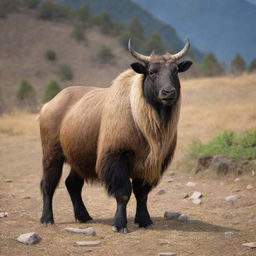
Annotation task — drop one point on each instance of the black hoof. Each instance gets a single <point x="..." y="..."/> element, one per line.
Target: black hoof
<point x="144" y="223"/>
<point x="123" y="230"/>
<point x="47" y="222"/>
<point x="84" y="219"/>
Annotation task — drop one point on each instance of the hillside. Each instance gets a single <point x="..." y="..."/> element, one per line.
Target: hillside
<point x="124" y="10"/>
<point x="24" y="40"/>
<point x="222" y="27"/>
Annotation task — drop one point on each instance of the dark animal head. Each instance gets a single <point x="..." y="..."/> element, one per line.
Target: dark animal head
<point x="161" y="81"/>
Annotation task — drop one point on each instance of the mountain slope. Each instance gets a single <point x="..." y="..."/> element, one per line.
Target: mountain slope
<point x="222" y="27"/>
<point x="124" y="10"/>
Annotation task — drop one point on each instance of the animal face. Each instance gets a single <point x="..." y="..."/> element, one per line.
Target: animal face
<point x="161" y="81"/>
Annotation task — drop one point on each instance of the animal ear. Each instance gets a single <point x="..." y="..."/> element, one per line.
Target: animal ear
<point x="184" y="65"/>
<point x="138" y="68"/>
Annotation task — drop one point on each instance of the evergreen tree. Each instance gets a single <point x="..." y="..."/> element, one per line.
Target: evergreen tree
<point x="238" y="65"/>
<point x="252" y="67"/>
<point x="155" y="43"/>
<point x="84" y="14"/>
<point x="51" y="91"/>
<point x="26" y="95"/>
<point x="211" y="67"/>
<point x="135" y="29"/>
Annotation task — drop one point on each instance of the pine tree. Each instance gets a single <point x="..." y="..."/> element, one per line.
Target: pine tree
<point x="252" y="67"/>
<point x="211" y="67"/>
<point x="155" y="43"/>
<point x="238" y="65"/>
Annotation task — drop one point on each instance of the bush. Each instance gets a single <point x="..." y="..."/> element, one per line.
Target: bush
<point x="78" y="32"/>
<point x="228" y="144"/>
<point x="50" y="55"/>
<point x="7" y="6"/>
<point x="54" y="11"/>
<point x="25" y="91"/>
<point x="65" y="72"/>
<point x="31" y="4"/>
<point x="105" y="55"/>
<point x="51" y="91"/>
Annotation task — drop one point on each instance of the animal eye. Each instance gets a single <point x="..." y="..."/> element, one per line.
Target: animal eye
<point x="151" y="73"/>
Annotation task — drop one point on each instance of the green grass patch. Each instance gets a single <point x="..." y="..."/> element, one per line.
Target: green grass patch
<point x="228" y="144"/>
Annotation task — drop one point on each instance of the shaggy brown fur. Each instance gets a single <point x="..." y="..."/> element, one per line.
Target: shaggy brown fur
<point x="89" y="124"/>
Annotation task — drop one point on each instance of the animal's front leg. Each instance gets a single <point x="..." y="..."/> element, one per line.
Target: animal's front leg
<point x="141" y="191"/>
<point x="116" y="178"/>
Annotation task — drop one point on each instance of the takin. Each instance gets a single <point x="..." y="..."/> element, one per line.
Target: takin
<point x="122" y="137"/>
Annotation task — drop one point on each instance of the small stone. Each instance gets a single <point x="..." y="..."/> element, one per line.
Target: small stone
<point x="253" y="173"/>
<point x="83" y="231"/>
<point x="197" y="201"/>
<point x="171" y="173"/>
<point x="185" y="196"/>
<point x="250" y="245"/>
<point x="8" y="181"/>
<point x="229" y="234"/>
<point x="183" y="218"/>
<point x="190" y="184"/>
<point x="249" y="187"/>
<point x="172" y="215"/>
<point x="3" y="214"/>
<point x="167" y="254"/>
<point x="170" y="180"/>
<point x="231" y="198"/>
<point x="160" y="192"/>
<point x="29" y="238"/>
<point x="87" y="243"/>
<point x="196" y="195"/>
<point x="237" y="179"/>
<point x="27" y="197"/>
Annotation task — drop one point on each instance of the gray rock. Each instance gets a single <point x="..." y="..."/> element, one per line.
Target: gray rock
<point x="197" y="201"/>
<point x="250" y="245"/>
<point x="167" y="254"/>
<point x="3" y="214"/>
<point x="183" y="218"/>
<point x="87" y="243"/>
<point x="196" y="195"/>
<point x="8" y="181"/>
<point x="229" y="234"/>
<point x="170" y="180"/>
<point x="29" y="238"/>
<point x="172" y="215"/>
<point x="83" y="231"/>
<point x="161" y="192"/>
<point x="231" y="198"/>
<point x="190" y="184"/>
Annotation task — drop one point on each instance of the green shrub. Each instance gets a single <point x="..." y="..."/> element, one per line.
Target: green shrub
<point x="54" y="11"/>
<point x="105" y="55"/>
<point x="78" y="32"/>
<point x="238" y="65"/>
<point x="229" y="144"/>
<point x="31" y="4"/>
<point x="25" y="91"/>
<point x="51" y="91"/>
<point x="65" y="72"/>
<point x="50" y="55"/>
<point x="252" y="67"/>
<point x="7" y="6"/>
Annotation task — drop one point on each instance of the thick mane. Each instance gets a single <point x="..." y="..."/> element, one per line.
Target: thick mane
<point x="159" y="136"/>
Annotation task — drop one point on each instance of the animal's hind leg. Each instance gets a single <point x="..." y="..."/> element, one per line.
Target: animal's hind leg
<point x="52" y="170"/>
<point x="116" y="178"/>
<point x="74" y="184"/>
<point x="141" y="191"/>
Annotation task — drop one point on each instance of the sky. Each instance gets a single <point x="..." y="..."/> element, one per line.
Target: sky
<point x="252" y="1"/>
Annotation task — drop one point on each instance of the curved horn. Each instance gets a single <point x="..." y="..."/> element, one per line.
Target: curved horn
<point x="181" y="53"/>
<point x="137" y="55"/>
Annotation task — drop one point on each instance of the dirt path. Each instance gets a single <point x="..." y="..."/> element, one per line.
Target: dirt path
<point x="203" y="235"/>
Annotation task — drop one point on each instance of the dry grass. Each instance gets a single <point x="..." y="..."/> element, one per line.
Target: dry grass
<point x="18" y="123"/>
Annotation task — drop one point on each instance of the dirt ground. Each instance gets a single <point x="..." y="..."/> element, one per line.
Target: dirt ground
<point x="202" y="109"/>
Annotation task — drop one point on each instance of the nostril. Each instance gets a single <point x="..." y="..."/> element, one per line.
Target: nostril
<point x="169" y="93"/>
<point x="166" y="91"/>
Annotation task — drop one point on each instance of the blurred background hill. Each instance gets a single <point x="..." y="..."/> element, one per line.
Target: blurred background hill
<point x="224" y="27"/>
<point x="46" y="46"/>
